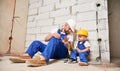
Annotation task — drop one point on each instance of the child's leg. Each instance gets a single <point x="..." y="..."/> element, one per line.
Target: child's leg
<point x="73" y="56"/>
<point x="83" y="58"/>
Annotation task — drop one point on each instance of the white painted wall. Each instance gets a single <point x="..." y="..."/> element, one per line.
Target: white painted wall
<point x="45" y="15"/>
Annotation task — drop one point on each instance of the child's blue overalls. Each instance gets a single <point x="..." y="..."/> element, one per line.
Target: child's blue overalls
<point x="83" y="55"/>
<point x="55" y="49"/>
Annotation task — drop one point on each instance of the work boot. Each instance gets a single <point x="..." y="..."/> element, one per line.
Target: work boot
<point x="83" y="64"/>
<point x="35" y="62"/>
<point x="19" y="59"/>
<point x="71" y="61"/>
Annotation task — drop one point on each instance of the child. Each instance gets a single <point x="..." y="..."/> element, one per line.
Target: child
<point x="82" y="50"/>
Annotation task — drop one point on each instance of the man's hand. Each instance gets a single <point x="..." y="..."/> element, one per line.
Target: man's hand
<point x="50" y="35"/>
<point x="65" y="41"/>
<point x="56" y="35"/>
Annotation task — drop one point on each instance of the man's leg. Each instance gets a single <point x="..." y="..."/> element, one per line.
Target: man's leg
<point x="51" y="51"/>
<point x="35" y="47"/>
<point x="31" y="51"/>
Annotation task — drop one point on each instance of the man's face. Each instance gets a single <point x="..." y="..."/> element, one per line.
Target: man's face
<point x="67" y="28"/>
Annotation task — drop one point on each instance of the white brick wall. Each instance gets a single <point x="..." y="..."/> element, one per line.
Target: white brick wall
<point x="46" y="8"/>
<point x="47" y="29"/>
<point x="34" y="5"/>
<point x="33" y="11"/>
<point x="45" y="22"/>
<point x="46" y="2"/>
<point x="60" y="12"/>
<point x="82" y="8"/>
<point x="44" y="15"/>
<point x="31" y="18"/>
<point x="84" y="1"/>
<point x="62" y="19"/>
<point x="65" y="3"/>
<point x="89" y="25"/>
<point x="86" y="16"/>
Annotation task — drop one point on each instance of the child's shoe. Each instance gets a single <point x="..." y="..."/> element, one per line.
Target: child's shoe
<point x="83" y="64"/>
<point x="66" y="60"/>
<point x="72" y="61"/>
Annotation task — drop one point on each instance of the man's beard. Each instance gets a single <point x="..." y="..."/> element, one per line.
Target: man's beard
<point x="66" y="32"/>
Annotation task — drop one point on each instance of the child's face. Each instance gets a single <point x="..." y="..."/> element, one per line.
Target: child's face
<point x="82" y="37"/>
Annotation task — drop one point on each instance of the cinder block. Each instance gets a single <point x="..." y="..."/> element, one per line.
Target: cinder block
<point x="105" y="56"/>
<point x="104" y="46"/>
<point x="37" y="30"/>
<point x="103" y="34"/>
<point x="31" y="24"/>
<point x="106" y="4"/>
<point x="65" y="3"/>
<point x="30" y="37"/>
<point x="45" y="22"/>
<point x="102" y="24"/>
<point x="41" y="37"/>
<point x="60" y="12"/>
<point x="33" y="11"/>
<point x="46" y="8"/>
<point x="63" y="19"/>
<point x="46" y="2"/>
<point x="91" y="15"/>
<point x="42" y="16"/>
<point x="89" y="25"/>
<point x="31" y="18"/>
<point x="84" y="1"/>
<point x="102" y="4"/>
<point x="94" y="46"/>
<point x="32" y="1"/>
<point x="27" y="44"/>
<point x="102" y="14"/>
<point x="107" y="45"/>
<point x="82" y="8"/>
<point x="45" y="30"/>
<point x="93" y="35"/>
<point x="34" y="5"/>
<point x="30" y="30"/>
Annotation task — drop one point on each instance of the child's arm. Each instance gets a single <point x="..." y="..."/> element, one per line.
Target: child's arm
<point x="85" y="50"/>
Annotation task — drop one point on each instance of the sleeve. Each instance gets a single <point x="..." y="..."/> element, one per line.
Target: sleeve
<point x="54" y="30"/>
<point x="87" y="44"/>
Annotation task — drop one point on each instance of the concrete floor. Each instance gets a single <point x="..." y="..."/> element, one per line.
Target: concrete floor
<point x="6" y="65"/>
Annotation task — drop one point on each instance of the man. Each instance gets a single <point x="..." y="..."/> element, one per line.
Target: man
<point x="55" y="49"/>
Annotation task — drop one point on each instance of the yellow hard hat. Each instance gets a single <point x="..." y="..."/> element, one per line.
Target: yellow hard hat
<point x="83" y="32"/>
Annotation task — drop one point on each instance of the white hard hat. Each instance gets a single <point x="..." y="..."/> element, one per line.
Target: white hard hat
<point x="71" y="23"/>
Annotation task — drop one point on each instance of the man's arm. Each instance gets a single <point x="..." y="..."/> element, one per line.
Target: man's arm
<point x="50" y="35"/>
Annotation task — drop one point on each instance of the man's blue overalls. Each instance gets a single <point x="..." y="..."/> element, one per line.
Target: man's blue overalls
<point x="55" y="49"/>
<point x="83" y="55"/>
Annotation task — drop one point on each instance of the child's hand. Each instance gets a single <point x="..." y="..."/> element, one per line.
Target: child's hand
<point x="85" y="50"/>
<point x="78" y="50"/>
